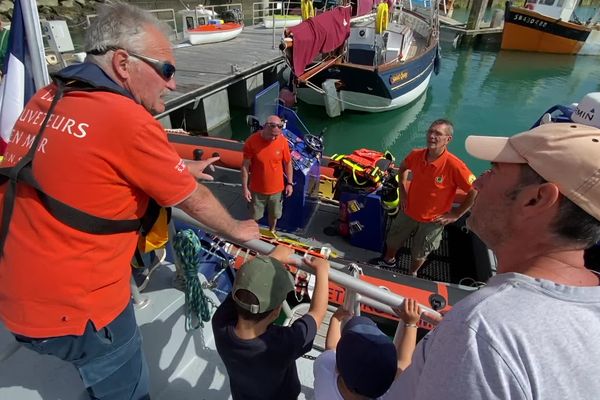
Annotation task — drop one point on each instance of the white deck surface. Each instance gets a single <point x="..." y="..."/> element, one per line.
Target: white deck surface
<point x="183" y="365"/>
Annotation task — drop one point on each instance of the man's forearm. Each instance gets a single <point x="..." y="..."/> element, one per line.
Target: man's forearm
<point x="289" y="172"/>
<point x="467" y="203"/>
<point x="203" y="206"/>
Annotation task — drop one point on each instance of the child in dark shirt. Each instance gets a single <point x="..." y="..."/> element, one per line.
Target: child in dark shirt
<point x="260" y="357"/>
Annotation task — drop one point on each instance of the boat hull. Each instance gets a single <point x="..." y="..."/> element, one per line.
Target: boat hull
<point x="371" y="90"/>
<point x="202" y="36"/>
<point x="527" y="30"/>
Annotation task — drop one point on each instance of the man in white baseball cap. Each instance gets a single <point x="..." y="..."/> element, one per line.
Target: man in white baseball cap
<point x="529" y="334"/>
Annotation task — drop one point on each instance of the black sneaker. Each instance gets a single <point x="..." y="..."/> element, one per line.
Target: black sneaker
<point x="381" y="262"/>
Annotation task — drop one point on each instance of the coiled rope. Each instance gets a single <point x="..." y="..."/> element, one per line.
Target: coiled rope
<point x="198" y="305"/>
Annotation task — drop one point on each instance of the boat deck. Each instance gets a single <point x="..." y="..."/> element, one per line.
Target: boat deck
<point x="454" y="262"/>
<point x="204" y="69"/>
<point x="184" y="364"/>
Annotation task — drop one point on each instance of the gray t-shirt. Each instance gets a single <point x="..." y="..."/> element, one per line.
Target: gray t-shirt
<point x="516" y="338"/>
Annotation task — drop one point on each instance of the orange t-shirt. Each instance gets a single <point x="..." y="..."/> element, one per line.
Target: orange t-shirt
<point x="267" y="158"/>
<point x="101" y="153"/>
<point x="433" y="185"/>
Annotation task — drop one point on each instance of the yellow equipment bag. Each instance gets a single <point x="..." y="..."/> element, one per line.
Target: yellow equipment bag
<point x="158" y="236"/>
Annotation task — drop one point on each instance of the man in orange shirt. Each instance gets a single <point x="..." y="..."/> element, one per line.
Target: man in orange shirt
<point x="266" y="153"/>
<point x="92" y="145"/>
<point x="427" y="207"/>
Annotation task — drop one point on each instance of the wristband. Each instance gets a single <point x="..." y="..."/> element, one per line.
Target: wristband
<point x="290" y="183"/>
<point x="410" y="325"/>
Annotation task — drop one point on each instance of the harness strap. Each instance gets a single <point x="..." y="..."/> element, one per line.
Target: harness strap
<point x="14" y="172"/>
<point x="68" y="215"/>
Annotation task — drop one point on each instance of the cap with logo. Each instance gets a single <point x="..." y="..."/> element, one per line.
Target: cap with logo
<point x="565" y="154"/>
<point x="267" y="279"/>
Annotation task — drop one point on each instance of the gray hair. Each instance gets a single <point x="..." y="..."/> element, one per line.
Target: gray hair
<point x="571" y="223"/>
<point x="119" y="25"/>
<point x="443" y="121"/>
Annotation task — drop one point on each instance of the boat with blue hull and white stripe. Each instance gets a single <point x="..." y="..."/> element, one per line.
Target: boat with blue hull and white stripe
<point x="380" y="63"/>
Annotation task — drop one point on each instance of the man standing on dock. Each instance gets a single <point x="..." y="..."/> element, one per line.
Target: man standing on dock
<point x="71" y="221"/>
<point x="531" y="332"/>
<point x="427" y="207"/>
<point x="266" y="153"/>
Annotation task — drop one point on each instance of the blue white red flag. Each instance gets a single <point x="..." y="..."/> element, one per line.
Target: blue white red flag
<point x="17" y="85"/>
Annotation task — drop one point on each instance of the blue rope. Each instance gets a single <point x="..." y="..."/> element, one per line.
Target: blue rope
<point x="198" y="306"/>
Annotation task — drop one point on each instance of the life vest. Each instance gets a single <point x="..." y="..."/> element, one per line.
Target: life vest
<point x="390" y="193"/>
<point x="367" y="167"/>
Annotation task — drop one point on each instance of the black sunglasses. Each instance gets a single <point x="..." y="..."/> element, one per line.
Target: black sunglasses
<point x="164" y="68"/>
<point x="274" y="125"/>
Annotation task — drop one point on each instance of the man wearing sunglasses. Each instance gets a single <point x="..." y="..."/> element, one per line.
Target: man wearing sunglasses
<point x="65" y="290"/>
<point x="266" y="154"/>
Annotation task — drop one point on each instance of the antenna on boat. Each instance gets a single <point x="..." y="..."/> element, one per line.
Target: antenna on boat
<point x="185" y="5"/>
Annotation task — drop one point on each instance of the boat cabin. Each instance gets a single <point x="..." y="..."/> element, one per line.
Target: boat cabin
<point x="559" y="9"/>
<point x="365" y="47"/>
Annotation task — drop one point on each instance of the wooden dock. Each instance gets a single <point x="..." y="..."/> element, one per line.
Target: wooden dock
<point x="204" y="70"/>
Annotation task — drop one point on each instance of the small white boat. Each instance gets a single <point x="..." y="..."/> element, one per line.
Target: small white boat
<point x="281" y="21"/>
<point x="213" y="33"/>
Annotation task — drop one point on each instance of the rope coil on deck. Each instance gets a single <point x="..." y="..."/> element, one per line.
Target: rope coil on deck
<point x="198" y="305"/>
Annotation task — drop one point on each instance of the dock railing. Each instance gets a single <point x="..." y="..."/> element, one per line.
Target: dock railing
<point x="262" y="10"/>
<point x="169" y="16"/>
<point x="359" y="291"/>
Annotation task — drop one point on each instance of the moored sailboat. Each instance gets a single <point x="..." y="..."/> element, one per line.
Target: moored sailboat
<point x="355" y="59"/>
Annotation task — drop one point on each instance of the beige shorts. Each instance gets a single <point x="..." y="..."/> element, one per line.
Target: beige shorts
<point x="427" y="235"/>
<point x="273" y="202"/>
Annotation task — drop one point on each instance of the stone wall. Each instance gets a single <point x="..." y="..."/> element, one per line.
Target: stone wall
<point x="75" y="11"/>
<point x="72" y="11"/>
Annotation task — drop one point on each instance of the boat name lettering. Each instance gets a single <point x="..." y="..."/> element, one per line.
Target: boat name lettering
<point x="530" y="20"/>
<point x="55" y="121"/>
<point x="400" y="76"/>
<point x="589" y="115"/>
<point x="336" y="294"/>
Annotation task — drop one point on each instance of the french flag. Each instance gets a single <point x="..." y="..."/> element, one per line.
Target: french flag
<point x="18" y="84"/>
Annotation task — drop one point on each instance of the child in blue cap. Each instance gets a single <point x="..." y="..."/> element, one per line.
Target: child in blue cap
<point x="361" y="362"/>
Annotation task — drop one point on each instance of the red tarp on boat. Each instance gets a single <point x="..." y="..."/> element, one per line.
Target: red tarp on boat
<point x="364" y="7"/>
<point x="320" y="34"/>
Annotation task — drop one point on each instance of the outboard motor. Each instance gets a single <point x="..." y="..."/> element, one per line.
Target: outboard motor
<point x="234" y="15"/>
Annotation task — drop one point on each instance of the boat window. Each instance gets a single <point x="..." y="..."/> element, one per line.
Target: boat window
<point x="202" y="21"/>
<point x="547" y="2"/>
<point x="560" y="3"/>
<point x="189" y="22"/>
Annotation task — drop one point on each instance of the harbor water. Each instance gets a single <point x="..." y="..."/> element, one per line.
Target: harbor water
<point x="481" y="92"/>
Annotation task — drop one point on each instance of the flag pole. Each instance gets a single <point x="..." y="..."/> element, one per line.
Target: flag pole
<point x="31" y="20"/>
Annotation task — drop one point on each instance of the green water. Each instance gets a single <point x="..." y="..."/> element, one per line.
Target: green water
<point x="495" y="93"/>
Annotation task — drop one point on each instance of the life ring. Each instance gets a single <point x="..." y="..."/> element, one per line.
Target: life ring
<point x="307" y="9"/>
<point x="381" y="22"/>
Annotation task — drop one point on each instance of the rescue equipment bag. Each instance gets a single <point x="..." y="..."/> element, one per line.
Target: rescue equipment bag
<point x="362" y="171"/>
